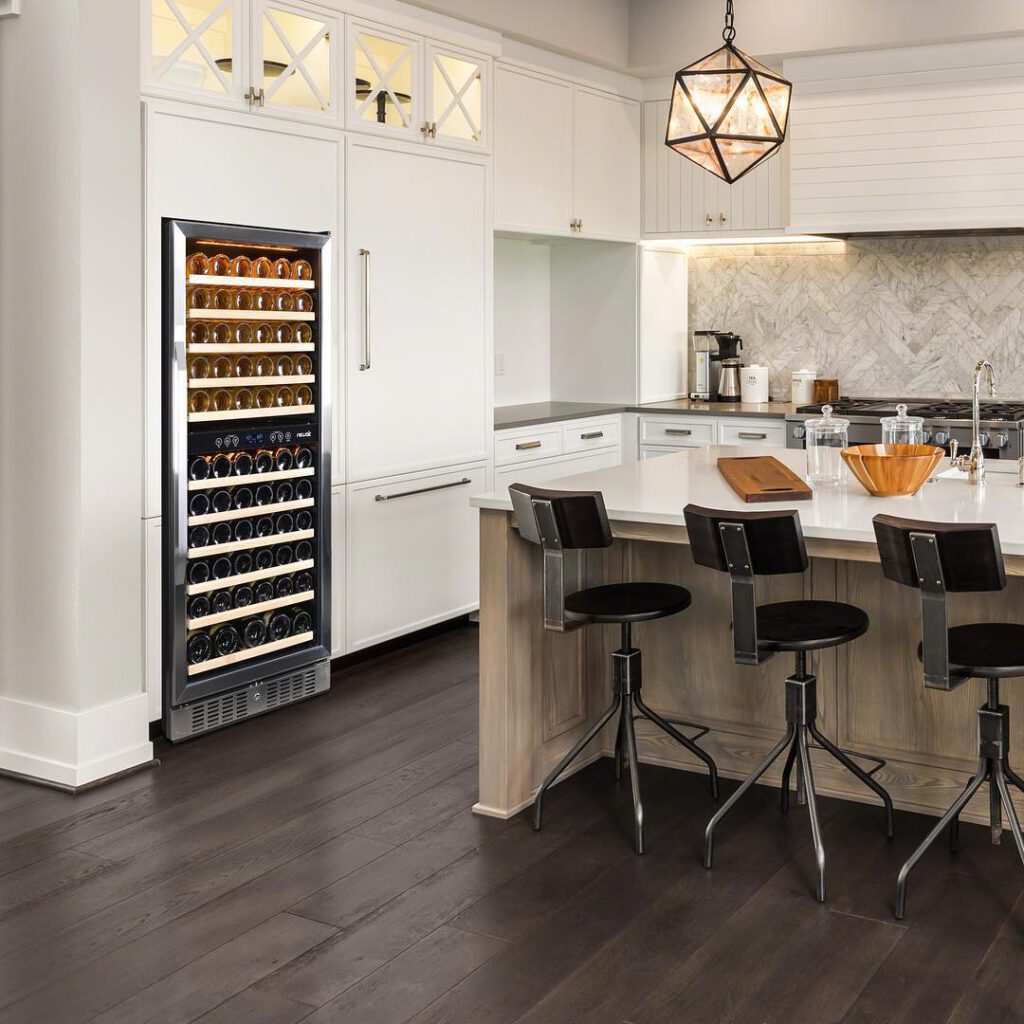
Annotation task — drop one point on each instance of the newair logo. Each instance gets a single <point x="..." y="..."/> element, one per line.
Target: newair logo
<point x="303" y="435"/>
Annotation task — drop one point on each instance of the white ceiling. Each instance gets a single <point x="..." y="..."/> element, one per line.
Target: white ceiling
<point x="655" y="37"/>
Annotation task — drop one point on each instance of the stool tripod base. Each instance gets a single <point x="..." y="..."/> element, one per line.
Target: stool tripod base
<point x="801" y="727"/>
<point x="993" y="768"/>
<point x="630" y="707"/>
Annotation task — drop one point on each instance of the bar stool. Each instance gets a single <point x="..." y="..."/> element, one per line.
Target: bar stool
<point x="749" y="544"/>
<point x="562" y="522"/>
<point x="943" y="558"/>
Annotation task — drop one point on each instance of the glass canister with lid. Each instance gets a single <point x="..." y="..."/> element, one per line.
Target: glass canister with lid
<point x="901" y="428"/>
<point x="825" y="439"/>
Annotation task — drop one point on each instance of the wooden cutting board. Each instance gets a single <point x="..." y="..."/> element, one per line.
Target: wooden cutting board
<point x="763" y="478"/>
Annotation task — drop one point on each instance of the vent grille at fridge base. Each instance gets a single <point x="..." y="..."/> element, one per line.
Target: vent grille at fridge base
<point x="255" y="699"/>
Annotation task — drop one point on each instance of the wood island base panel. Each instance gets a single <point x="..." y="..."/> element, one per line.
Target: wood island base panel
<point x="540" y="690"/>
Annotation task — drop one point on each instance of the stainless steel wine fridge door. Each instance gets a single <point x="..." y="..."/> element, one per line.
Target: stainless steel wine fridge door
<point x="246" y="470"/>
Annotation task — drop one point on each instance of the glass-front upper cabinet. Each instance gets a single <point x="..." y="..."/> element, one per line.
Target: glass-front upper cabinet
<point x="384" y="80"/>
<point x="459" y="97"/>
<point x="198" y="46"/>
<point x="294" y="60"/>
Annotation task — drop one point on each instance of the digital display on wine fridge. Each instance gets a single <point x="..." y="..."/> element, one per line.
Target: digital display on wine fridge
<point x="246" y="472"/>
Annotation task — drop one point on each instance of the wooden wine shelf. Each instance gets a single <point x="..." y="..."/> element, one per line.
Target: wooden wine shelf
<point x="248" y="653"/>
<point x="278" y="380"/>
<point x="250" y="314"/>
<point x="250" y="282"/>
<point x="253" y="542"/>
<point x="248" y="577"/>
<point x="251" y="414"/>
<point x="251" y="512"/>
<point x="253" y="609"/>
<point x="249" y="479"/>
<point x="212" y="348"/>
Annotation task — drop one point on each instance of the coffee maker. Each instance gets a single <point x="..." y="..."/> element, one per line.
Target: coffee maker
<point x="707" y="381"/>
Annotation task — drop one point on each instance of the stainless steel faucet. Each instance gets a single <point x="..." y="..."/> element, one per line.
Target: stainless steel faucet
<point x="974" y="463"/>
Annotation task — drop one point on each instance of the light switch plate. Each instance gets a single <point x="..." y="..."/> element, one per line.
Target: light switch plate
<point x="10" y="8"/>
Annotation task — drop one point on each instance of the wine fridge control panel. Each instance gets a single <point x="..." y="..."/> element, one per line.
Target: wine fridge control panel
<point x="247" y="582"/>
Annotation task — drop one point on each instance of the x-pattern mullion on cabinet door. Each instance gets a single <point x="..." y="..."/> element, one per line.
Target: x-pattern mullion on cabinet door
<point x="193" y="37"/>
<point x="384" y="81"/>
<point x="297" y="60"/>
<point x="457" y="95"/>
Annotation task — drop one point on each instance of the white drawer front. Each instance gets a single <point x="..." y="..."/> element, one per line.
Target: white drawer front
<point x="582" y="435"/>
<point x="649" y="451"/>
<point x="684" y="431"/>
<point x="512" y="447"/>
<point x="542" y="472"/>
<point x="412" y="554"/>
<point x="771" y="433"/>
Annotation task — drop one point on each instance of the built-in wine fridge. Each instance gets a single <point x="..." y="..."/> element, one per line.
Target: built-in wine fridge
<point x="246" y="505"/>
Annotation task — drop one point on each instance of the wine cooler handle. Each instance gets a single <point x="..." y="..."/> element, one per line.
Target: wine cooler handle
<point x="365" y="253"/>
<point x="423" y="490"/>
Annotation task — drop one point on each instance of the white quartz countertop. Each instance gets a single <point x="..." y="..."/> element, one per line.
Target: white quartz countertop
<point x="657" y="490"/>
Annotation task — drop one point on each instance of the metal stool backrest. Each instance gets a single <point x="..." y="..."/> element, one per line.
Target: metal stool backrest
<point x="745" y="545"/>
<point x="562" y="523"/>
<point x="939" y="558"/>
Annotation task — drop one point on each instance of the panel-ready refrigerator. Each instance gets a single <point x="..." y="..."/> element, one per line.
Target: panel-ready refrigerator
<point x="246" y="471"/>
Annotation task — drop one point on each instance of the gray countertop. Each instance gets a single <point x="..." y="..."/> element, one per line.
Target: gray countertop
<point x="508" y="416"/>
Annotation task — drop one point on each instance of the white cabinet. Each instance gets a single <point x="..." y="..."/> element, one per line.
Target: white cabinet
<point x="661" y="434"/>
<point x="412" y="555"/>
<point x="567" y="158"/>
<point x="606" y="165"/>
<point x="418" y="263"/>
<point x="650" y="451"/>
<point x="672" y="431"/>
<point x="554" y="469"/>
<point x="680" y="198"/>
<point x="152" y="618"/>
<point x="338" y="595"/>
<point x="532" y="152"/>
<point x="768" y="432"/>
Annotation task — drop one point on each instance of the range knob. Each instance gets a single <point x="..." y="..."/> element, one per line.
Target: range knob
<point x="927" y="437"/>
<point x="799" y="433"/>
<point x="941" y="438"/>
<point x="1001" y="441"/>
<point x="983" y="439"/>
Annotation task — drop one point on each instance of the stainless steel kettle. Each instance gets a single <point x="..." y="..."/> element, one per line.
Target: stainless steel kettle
<point x="729" y="380"/>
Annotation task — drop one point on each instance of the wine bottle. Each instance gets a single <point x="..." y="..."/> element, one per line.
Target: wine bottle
<point x="303" y="582"/>
<point x="242" y="464"/>
<point x="221" y="466"/>
<point x="199" y="468"/>
<point x="264" y="461"/>
<point x="221" y="501"/>
<point x="244" y="596"/>
<point x="198" y="571"/>
<point x="279" y="625"/>
<point x="264" y="591"/>
<point x="283" y="555"/>
<point x="243" y="563"/>
<point x="221" y="533"/>
<point x="199" y="504"/>
<point x="198" y="537"/>
<point x="304" y="489"/>
<point x="283" y="523"/>
<point x="221" y="568"/>
<point x="243" y="497"/>
<point x="302" y="621"/>
<point x="264" y="526"/>
<point x="264" y="494"/>
<point x="284" y="492"/>
<point x="198" y="648"/>
<point x="285" y="586"/>
<point x="303" y="551"/>
<point x="221" y="601"/>
<point x="303" y="458"/>
<point x="283" y="458"/>
<point x="263" y="558"/>
<point x="226" y="639"/>
<point x="304" y="520"/>
<point x="243" y="530"/>
<point x="198" y="606"/>
<point x="254" y="632"/>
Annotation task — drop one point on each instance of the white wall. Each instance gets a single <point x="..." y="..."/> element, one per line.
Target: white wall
<point x="522" y="321"/>
<point x="594" y="30"/>
<point x="664" y="34"/>
<point x="72" y="707"/>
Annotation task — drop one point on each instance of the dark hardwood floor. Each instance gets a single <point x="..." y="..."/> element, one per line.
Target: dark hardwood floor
<point x="321" y="864"/>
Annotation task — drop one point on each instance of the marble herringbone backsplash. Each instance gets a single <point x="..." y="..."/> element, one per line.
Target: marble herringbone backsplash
<point x="892" y="316"/>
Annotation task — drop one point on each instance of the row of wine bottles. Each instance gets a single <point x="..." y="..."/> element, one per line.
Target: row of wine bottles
<point x="224" y="464"/>
<point x="243" y="530"/>
<point x="201" y="332"/>
<point x="263" y="268"/>
<point x="253" y="632"/>
<point x="250" y="299"/>
<point x="244" y="595"/>
<point x="202" y="570"/>
<point x="205" y="503"/>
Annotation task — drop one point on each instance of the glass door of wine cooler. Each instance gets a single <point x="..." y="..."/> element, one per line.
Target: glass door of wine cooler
<point x="246" y="472"/>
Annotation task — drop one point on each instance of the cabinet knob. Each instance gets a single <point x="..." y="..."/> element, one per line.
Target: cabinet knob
<point x="708" y="220"/>
<point x="721" y="218"/>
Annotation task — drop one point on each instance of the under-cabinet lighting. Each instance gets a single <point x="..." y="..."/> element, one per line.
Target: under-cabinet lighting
<point x="694" y="243"/>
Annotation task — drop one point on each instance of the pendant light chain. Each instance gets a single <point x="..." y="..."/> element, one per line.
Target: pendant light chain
<point x="729" y="32"/>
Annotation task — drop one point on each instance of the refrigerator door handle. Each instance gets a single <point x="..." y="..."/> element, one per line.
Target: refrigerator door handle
<point x="365" y="364"/>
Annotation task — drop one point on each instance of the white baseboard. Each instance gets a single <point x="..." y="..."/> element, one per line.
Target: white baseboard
<point x="74" y="748"/>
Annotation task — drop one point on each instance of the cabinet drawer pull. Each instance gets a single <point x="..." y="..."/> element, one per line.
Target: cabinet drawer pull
<point x="423" y="490"/>
<point x="678" y="432"/>
<point x="751" y="436"/>
<point x="525" y="446"/>
<point x="592" y="435"/>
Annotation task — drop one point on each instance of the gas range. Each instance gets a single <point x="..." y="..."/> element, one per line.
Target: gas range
<point x="945" y="420"/>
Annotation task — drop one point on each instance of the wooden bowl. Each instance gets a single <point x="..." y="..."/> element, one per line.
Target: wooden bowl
<point x="892" y="470"/>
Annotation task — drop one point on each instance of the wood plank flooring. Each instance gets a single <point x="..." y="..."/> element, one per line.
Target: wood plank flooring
<point x="321" y="865"/>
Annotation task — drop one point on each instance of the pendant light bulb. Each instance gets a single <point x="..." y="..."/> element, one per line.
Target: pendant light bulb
<point x="728" y="112"/>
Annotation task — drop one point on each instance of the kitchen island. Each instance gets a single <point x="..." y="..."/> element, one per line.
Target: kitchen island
<point x="541" y="689"/>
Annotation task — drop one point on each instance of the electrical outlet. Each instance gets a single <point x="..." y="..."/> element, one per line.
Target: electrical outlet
<point x="500" y="364"/>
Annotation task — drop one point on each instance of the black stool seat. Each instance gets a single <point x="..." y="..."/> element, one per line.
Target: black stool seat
<point x="627" y="602"/>
<point x="987" y="650"/>
<point x="808" y="625"/>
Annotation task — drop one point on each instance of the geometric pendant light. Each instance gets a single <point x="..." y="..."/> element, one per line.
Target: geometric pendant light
<point x="729" y="112"/>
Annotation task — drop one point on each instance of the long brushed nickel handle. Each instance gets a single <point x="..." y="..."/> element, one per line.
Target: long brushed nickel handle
<point x="423" y="490"/>
<point x="365" y="364"/>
